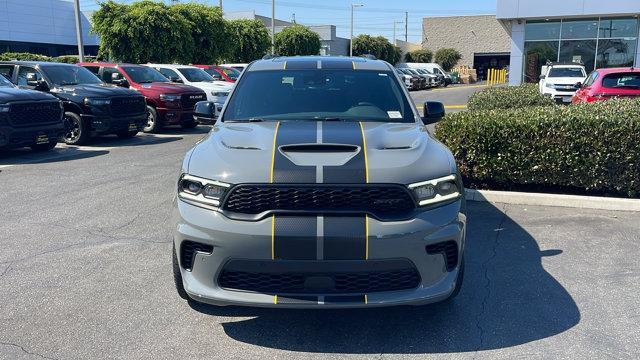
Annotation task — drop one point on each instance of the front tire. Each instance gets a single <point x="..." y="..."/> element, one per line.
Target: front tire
<point x="44" y="147"/>
<point x="177" y="277"/>
<point x="152" y="125"/>
<point x="77" y="130"/>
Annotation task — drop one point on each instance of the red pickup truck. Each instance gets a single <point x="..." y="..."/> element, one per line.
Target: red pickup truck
<point x="603" y="84"/>
<point x="167" y="103"/>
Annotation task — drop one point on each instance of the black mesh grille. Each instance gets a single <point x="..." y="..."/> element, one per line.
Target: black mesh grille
<point x="188" y="251"/>
<point x="343" y="283"/>
<point x="188" y="101"/>
<point x="448" y="249"/>
<point x="29" y="114"/>
<point x="125" y="106"/>
<point x="384" y="201"/>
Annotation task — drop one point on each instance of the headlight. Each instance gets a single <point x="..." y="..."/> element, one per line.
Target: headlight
<point x="436" y="190"/>
<point x="220" y="93"/>
<point x="169" y="97"/>
<point x="97" y="102"/>
<point x="550" y="86"/>
<point x="200" y="191"/>
<point x="4" y="108"/>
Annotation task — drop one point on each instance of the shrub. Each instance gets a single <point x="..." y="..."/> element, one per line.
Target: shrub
<point x="251" y="40"/>
<point x="23" y="57"/>
<point x="447" y="58"/>
<point x="587" y="147"/>
<point x="72" y="59"/>
<point x="297" y="40"/>
<point x="419" y="56"/>
<point x="508" y="97"/>
<point x="377" y="46"/>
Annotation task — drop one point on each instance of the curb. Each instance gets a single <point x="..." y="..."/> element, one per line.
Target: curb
<point x="537" y="199"/>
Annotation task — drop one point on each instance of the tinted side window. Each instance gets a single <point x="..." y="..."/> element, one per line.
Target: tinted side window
<point x="591" y="79"/>
<point x="23" y="73"/>
<point x="107" y="74"/>
<point x="7" y="71"/>
<point x="170" y="74"/>
<point x="93" y="69"/>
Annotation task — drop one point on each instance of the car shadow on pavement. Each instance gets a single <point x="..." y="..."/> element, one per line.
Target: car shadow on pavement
<point x="140" y="140"/>
<point x="26" y="156"/>
<point x="507" y="299"/>
<point x="177" y="130"/>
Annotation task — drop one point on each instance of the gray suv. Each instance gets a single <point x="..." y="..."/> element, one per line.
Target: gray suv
<point x="319" y="187"/>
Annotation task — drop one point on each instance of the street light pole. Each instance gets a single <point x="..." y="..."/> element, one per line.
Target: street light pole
<point x="76" y="7"/>
<point x="395" y="42"/>
<point x="353" y="6"/>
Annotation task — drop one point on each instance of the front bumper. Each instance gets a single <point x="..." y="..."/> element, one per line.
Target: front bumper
<point x="110" y="125"/>
<point x="14" y="137"/>
<point x="169" y="116"/>
<point x="560" y="96"/>
<point x="252" y="240"/>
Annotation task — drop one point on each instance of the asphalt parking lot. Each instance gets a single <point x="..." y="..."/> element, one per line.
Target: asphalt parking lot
<point x="85" y="273"/>
<point x="454" y="97"/>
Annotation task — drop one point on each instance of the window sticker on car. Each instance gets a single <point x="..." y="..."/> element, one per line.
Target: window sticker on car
<point x="394" y="114"/>
<point x="287" y="80"/>
<point x="382" y="74"/>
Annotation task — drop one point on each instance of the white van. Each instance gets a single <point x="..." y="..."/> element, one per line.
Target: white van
<point x="435" y="68"/>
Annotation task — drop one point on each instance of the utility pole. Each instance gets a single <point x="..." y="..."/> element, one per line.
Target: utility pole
<point x="293" y="18"/>
<point x="353" y="6"/>
<point x="394" y="31"/>
<point x="76" y="7"/>
<point x="406" y="26"/>
<point x="273" y="27"/>
<point x="220" y="5"/>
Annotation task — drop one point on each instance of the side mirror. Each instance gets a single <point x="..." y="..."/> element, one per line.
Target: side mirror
<point x="578" y="85"/>
<point x="175" y="79"/>
<point x="32" y="79"/>
<point x="206" y="112"/>
<point x="433" y="112"/>
<point x="542" y="77"/>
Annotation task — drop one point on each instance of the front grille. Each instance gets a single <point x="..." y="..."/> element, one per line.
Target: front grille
<point x="383" y="201"/>
<point x="448" y="249"/>
<point x="188" y="251"/>
<point x="188" y="101"/>
<point x="34" y="113"/>
<point x="319" y="277"/>
<point x="126" y="106"/>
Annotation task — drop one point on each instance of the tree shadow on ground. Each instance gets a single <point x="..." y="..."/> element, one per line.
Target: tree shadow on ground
<point x="507" y="299"/>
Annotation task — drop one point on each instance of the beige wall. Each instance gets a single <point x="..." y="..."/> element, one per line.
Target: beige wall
<point x="467" y="34"/>
<point x="406" y="47"/>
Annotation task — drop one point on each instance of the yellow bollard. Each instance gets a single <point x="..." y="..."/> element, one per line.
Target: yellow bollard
<point x="490" y="77"/>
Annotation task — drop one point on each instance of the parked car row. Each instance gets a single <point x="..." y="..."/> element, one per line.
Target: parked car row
<point x="42" y="102"/>
<point x="420" y="76"/>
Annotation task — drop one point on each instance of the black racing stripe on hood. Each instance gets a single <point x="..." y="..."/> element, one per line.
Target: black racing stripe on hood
<point x="345" y="238"/>
<point x="285" y="171"/>
<point x="350" y="133"/>
<point x="295" y="238"/>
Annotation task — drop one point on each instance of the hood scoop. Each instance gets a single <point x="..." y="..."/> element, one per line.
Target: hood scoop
<point x="319" y="154"/>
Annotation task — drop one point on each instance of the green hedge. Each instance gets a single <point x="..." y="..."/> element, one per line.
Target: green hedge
<point x="587" y="148"/>
<point x="508" y="97"/>
<point x="68" y="59"/>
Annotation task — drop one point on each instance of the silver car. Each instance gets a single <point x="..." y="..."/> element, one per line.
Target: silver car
<point x="319" y="187"/>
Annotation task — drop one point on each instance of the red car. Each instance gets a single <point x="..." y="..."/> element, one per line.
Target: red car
<point x="603" y="84"/>
<point x="221" y="73"/>
<point x="167" y="103"/>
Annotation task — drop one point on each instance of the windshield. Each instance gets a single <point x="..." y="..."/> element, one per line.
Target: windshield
<point x="4" y="82"/>
<point x="622" y="80"/>
<point x="567" y="72"/>
<point x="143" y="74"/>
<point x="195" y="75"/>
<point x="319" y="95"/>
<point x="231" y="73"/>
<point x="70" y="75"/>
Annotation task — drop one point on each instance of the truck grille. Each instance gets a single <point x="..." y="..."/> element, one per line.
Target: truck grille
<point x="383" y="201"/>
<point x="319" y="277"/>
<point x="34" y="113"/>
<point x="188" y="101"/>
<point x="126" y="106"/>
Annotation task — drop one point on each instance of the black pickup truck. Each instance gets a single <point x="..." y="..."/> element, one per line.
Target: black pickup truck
<point x="29" y="118"/>
<point x="91" y="107"/>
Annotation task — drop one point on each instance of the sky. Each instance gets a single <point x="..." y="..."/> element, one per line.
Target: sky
<point x="376" y="17"/>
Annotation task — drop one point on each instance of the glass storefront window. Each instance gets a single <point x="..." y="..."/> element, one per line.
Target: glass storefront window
<point x="580" y="51"/>
<point x="580" y="29"/>
<point x="537" y="53"/>
<point x="616" y="52"/>
<point x="618" y="28"/>
<point x="542" y="30"/>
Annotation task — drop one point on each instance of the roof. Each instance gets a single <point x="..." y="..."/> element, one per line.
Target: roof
<point x="100" y="63"/>
<point x="170" y="66"/>
<point x="318" y="62"/>
<point x="36" y="63"/>
<point x="605" y="71"/>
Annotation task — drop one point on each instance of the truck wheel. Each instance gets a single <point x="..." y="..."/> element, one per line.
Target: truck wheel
<point x="126" y="134"/>
<point x="44" y="147"/>
<point x="76" y="131"/>
<point x="152" y="125"/>
<point x="189" y="124"/>
<point x="177" y="277"/>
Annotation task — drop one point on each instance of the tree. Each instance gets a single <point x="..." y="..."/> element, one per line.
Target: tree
<point x="144" y="31"/>
<point x="208" y="31"/>
<point x="447" y="58"/>
<point x="377" y="46"/>
<point x="250" y="40"/>
<point x="419" y="56"/>
<point x="297" y="40"/>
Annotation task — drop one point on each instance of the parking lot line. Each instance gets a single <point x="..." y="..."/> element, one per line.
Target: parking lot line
<point x="455" y="106"/>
